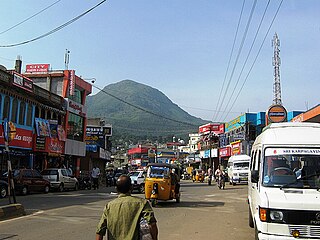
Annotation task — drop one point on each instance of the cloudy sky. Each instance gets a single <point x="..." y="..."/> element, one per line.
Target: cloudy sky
<point x="197" y="52"/>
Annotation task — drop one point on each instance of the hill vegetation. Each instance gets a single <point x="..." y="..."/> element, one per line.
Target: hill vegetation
<point x="137" y="111"/>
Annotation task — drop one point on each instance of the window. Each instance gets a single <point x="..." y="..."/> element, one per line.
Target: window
<point x="6" y="108"/>
<point x="38" y="112"/>
<point x="14" y="113"/>
<point x="77" y="96"/>
<point x="75" y="127"/>
<point x="22" y="113"/>
<point x="29" y="115"/>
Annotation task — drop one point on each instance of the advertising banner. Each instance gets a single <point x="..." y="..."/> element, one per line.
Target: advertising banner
<point x="225" y="152"/>
<point x="22" y="139"/>
<point x="42" y="127"/>
<point x="61" y="133"/>
<point x="31" y="68"/>
<point x="211" y="128"/>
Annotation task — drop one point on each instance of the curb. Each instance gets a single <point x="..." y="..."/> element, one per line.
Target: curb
<point x="11" y="211"/>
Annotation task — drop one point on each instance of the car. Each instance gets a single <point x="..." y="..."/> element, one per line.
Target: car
<point x="60" y="179"/>
<point x="116" y="176"/>
<point x="3" y="189"/>
<point x="137" y="180"/>
<point x="28" y="180"/>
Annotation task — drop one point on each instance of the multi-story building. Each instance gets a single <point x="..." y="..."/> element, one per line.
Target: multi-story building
<point x="74" y="90"/>
<point x="38" y="116"/>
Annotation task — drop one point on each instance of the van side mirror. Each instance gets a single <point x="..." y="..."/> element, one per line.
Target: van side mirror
<point x="254" y="176"/>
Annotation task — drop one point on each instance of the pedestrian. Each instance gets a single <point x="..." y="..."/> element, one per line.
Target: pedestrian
<point x="95" y="173"/>
<point x="121" y="217"/>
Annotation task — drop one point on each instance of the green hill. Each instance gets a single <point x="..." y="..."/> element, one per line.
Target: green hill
<point x="136" y="109"/>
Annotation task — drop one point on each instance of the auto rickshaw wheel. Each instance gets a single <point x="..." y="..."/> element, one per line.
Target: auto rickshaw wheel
<point x="153" y="202"/>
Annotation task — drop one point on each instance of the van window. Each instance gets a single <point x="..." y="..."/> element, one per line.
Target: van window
<point x="259" y="160"/>
<point x="291" y="167"/>
<point x="253" y="160"/>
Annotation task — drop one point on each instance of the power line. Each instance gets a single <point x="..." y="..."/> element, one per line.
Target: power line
<point x="142" y="109"/>
<point x="225" y="76"/>
<point x="54" y="30"/>
<point x="245" y="62"/>
<point x="256" y="55"/>
<point x="16" y="25"/>
<point x="239" y="52"/>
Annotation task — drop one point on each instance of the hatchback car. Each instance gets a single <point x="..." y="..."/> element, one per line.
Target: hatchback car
<point x="60" y="179"/>
<point x="28" y="180"/>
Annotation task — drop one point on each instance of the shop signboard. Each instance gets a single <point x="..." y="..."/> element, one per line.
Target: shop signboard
<point x="236" y="147"/>
<point x="22" y="82"/>
<point x="95" y="136"/>
<point x="36" y="68"/>
<point x="215" y="128"/>
<point x="225" y="152"/>
<point x="42" y="127"/>
<point x="22" y="138"/>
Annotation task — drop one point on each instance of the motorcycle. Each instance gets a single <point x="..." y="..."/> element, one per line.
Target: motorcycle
<point x="221" y="181"/>
<point x="84" y="183"/>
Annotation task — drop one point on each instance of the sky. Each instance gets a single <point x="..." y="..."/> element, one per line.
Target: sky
<point x="194" y="51"/>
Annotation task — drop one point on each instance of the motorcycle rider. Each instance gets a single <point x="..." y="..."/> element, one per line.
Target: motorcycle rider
<point x="219" y="175"/>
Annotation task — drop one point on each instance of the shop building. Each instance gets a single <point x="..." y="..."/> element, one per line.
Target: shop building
<point x="74" y="90"/>
<point x="38" y="116"/>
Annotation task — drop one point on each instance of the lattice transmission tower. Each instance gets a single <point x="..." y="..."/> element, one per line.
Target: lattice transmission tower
<point x="276" y="63"/>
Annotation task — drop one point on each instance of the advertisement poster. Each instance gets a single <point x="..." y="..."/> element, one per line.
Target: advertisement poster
<point x="42" y="127"/>
<point x="54" y="128"/>
<point x="61" y="133"/>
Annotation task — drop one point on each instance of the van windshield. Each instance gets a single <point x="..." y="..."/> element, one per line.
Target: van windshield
<point x="241" y="165"/>
<point x="298" y="168"/>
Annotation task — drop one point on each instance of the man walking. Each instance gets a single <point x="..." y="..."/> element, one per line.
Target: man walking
<point x="95" y="173"/>
<point x="121" y="217"/>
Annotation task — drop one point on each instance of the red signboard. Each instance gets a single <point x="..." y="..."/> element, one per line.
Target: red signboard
<point x="225" y="152"/>
<point x="236" y="148"/>
<point x="211" y="127"/>
<point x="37" y="68"/>
<point x="23" y="138"/>
<point x="48" y="145"/>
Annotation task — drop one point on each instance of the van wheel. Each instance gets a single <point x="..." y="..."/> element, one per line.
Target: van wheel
<point x="251" y="224"/>
<point x="24" y="190"/>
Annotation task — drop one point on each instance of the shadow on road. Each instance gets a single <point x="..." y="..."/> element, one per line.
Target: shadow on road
<point x="188" y="204"/>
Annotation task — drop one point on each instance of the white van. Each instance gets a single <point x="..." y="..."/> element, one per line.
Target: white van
<point x="238" y="169"/>
<point x="283" y="186"/>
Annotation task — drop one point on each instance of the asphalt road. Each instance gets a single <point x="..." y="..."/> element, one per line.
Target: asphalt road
<point x="205" y="212"/>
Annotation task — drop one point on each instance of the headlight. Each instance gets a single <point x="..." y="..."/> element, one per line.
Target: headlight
<point x="276" y="215"/>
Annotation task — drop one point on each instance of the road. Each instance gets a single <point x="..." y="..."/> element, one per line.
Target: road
<point x="205" y="212"/>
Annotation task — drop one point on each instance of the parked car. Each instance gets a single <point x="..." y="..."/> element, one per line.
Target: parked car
<point x="137" y="180"/>
<point x="28" y="180"/>
<point x="60" y="179"/>
<point x="3" y="189"/>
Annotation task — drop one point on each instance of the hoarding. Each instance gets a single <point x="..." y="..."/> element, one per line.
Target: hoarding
<point x="32" y="68"/>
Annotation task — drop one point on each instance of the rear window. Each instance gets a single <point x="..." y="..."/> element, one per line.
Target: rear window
<point x="49" y="172"/>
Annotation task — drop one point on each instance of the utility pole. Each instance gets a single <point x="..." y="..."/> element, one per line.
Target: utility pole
<point x="276" y="63"/>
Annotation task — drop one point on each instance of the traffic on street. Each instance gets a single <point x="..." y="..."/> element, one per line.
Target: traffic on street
<point x="204" y="212"/>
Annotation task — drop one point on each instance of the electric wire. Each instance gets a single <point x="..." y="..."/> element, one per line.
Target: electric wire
<point x="142" y="109"/>
<point x="245" y="62"/>
<point x="230" y="57"/>
<point x="239" y="52"/>
<point x="54" y="30"/>
<point x="16" y="25"/>
<point x="246" y="78"/>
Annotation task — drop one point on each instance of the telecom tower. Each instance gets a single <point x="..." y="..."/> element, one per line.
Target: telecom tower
<point x="276" y="112"/>
<point x="276" y="63"/>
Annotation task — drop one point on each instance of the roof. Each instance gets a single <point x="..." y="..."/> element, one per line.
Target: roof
<point x="290" y="133"/>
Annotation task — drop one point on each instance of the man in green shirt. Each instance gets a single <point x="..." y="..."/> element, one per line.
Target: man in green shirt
<point x="121" y="216"/>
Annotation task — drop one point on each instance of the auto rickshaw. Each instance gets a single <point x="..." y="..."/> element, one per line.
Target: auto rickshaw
<point x="198" y="176"/>
<point x="160" y="183"/>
